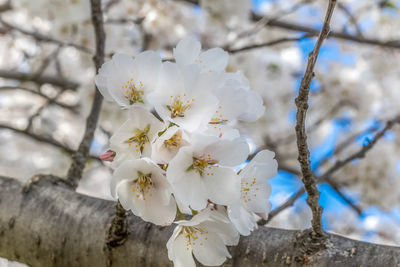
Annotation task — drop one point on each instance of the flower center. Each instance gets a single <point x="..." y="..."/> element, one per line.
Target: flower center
<point x="200" y="165"/>
<point x="133" y="93"/>
<point x="191" y="234"/>
<point x="174" y="142"/>
<point x="178" y="106"/>
<point x="217" y="119"/>
<point x="142" y="185"/>
<point x="140" y="138"/>
<point x="247" y="191"/>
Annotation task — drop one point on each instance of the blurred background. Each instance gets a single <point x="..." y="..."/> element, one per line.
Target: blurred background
<point x="46" y="91"/>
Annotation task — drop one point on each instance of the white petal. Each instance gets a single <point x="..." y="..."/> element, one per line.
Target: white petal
<point x="214" y="59"/>
<point x="211" y="251"/>
<point x="222" y="184"/>
<point x="243" y="220"/>
<point x="230" y="153"/>
<point x="178" y="252"/>
<point x="187" y="185"/>
<point x="187" y="51"/>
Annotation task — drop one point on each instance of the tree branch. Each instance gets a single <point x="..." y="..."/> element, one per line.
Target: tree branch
<point x="51" y="225"/>
<point x="338" y="165"/>
<point x="80" y="157"/>
<point x="43" y="38"/>
<point x="49" y="99"/>
<point x="42" y="79"/>
<point x="266" y="44"/>
<point x="314" y="32"/>
<point x="43" y="139"/>
<point x="301" y="135"/>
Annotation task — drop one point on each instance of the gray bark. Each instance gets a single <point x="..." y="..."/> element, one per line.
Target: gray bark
<point x="51" y="225"/>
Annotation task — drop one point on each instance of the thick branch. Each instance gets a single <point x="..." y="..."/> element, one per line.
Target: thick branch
<point x="301" y="135"/>
<point x="51" y="225"/>
<point x="81" y="156"/>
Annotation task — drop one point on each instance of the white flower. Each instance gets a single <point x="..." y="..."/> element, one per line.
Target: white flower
<point x="184" y="96"/>
<point x="201" y="171"/>
<point x="206" y="236"/>
<point x="133" y="139"/>
<point x="255" y="191"/>
<point x="141" y="186"/>
<point x="128" y="81"/>
<point x="237" y="101"/>
<point x="168" y="144"/>
<point x="188" y="51"/>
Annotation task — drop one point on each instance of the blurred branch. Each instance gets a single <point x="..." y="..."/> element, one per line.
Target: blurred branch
<point x="314" y="32"/>
<point x="42" y="79"/>
<point x="266" y="44"/>
<point x="363" y="151"/>
<point x="80" y="158"/>
<point x="5" y="6"/>
<point x="333" y="34"/>
<point x="72" y="108"/>
<point x="351" y="17"/>
<point x="338" y="165"/>
<point x="39" y="138"/>
<point x="302" y="107"/>
<point x="43" y="139"/>
<point x="43" y="38"/>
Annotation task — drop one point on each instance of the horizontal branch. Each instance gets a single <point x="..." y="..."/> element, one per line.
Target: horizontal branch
<point x="51" y="225"/>
<point x="42" y="79"/>
<point x="72" y="108"/>
<point x="266" y="44"/>
<point x="43" y="139"/>
<point x="335" y="34"/>
<point x="44" y="38"/>
<point x="314" y="32"/>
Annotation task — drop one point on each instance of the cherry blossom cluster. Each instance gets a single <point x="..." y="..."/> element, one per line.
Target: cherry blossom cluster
<point x="178" y="156"/>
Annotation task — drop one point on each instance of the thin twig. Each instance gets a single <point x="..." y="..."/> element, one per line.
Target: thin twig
<point x="81" y="156"/>
<point x="301" y="135"/>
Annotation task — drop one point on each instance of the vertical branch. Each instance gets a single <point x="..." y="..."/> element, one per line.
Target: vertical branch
<point x="301" y="135"/>
<point x="81" y="156"/>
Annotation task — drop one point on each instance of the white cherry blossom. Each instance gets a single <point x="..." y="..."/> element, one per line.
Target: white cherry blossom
<point x="184" y="96"/>
<point x="128" y="81"/>
<point x="205" y="236"/>
<point x="134" y="138"/>
<point x="167" y="145"/>
<point x="188" y="52"/>
<point x="141" y="186"/>
<point x="202" y="171"/>
<point x="255" y="191"/>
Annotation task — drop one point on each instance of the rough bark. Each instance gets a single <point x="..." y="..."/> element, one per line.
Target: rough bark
<point x="51" y="225"/>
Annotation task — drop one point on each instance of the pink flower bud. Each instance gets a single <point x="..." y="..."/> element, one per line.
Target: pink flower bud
<point x="109" y="155"/>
